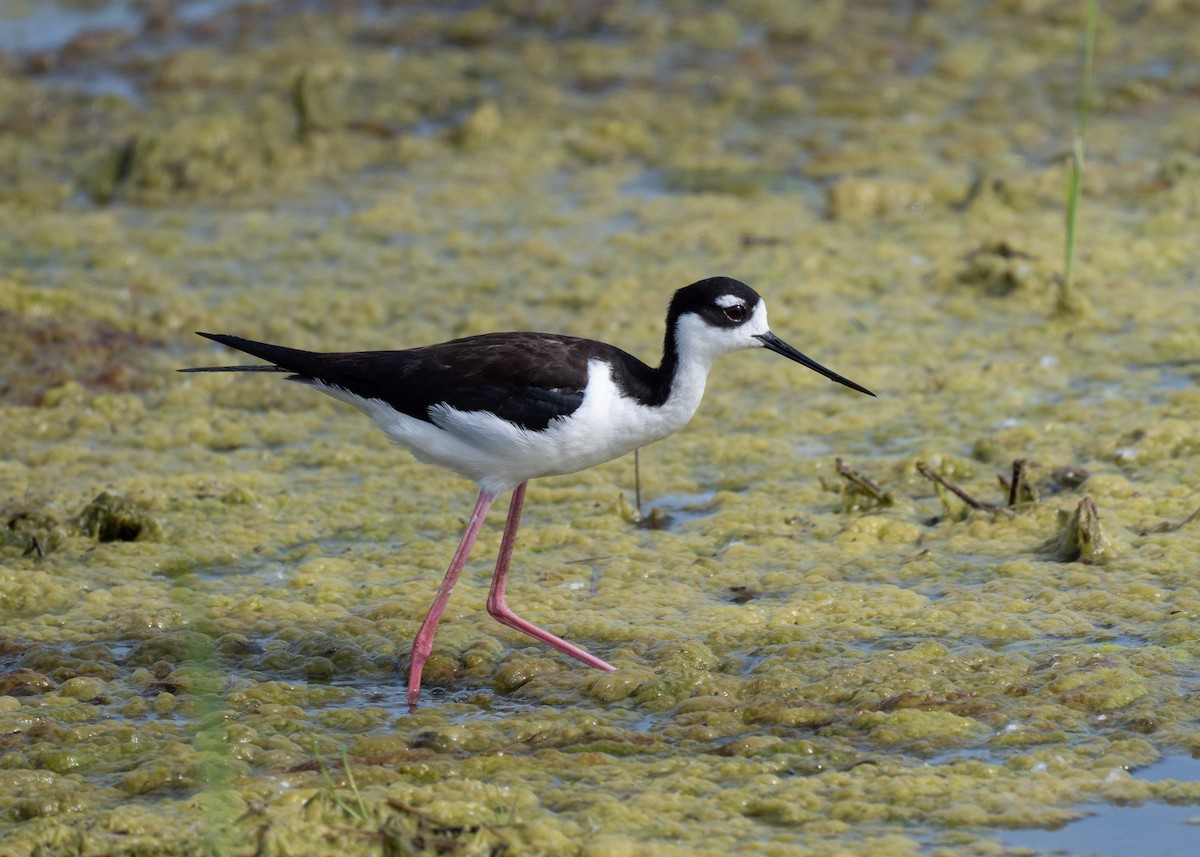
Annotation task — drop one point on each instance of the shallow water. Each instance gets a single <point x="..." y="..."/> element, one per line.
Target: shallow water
<point x="803" y="666"/>
<point x="1118" y="831"/>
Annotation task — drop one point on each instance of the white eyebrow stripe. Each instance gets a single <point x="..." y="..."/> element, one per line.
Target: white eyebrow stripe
<point x="726" y="301"/>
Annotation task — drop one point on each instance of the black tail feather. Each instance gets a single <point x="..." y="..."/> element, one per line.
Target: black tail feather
<point x="234" y="369"/>
<point x="285" y="359"/>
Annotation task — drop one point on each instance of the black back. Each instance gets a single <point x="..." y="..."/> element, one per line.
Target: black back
<point x="525" y="378"/>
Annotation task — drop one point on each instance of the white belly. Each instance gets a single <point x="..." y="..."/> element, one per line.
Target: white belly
<point x="498" y="455"/>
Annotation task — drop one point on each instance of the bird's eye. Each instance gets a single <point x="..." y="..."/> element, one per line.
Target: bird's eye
<point x="736" y="313"/>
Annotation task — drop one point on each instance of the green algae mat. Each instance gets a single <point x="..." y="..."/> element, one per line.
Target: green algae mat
<point x="840" y="625"/>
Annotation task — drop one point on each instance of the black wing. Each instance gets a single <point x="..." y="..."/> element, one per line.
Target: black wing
<point x="525" y="378"/>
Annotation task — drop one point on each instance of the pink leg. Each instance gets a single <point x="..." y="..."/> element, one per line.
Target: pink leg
<point x="498" y="607"/>
<point x="423" y="644"/>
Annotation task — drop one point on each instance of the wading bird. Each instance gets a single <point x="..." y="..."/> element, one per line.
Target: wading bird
<point x="504" y="408"/>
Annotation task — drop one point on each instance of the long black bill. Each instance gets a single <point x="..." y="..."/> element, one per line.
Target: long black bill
<point x="773" y="343"/>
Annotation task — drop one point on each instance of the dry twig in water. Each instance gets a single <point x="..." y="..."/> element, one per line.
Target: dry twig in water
<point x="952" y="488"/>
<point x="861" y="482"/>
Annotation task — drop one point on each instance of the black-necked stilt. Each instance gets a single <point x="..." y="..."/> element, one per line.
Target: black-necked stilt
<point x="504" y="408"/>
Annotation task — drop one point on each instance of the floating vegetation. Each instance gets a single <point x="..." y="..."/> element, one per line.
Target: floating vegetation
<point x="115" y="518"/>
